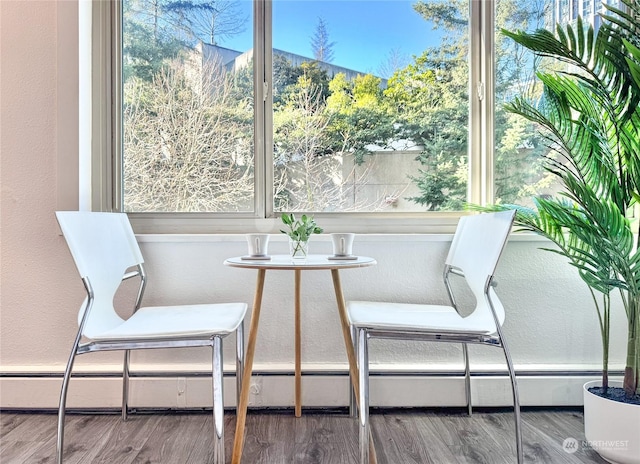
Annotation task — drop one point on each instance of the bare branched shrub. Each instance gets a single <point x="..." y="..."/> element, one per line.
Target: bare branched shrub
<point x="187" y="146"/>
<point x="307" y="178"/>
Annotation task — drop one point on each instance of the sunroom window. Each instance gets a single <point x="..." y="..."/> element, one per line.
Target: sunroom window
<point x="383" y="112"/>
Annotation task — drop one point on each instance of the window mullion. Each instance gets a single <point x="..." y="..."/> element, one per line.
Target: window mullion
<point x="267" y="73"/>
<point x="488" y="103"/>
<point x="103" y="112"/>
<point x="260" y="92"/>
<point x="481" y="101"/>
<point x="476" y="149"/>
<point x="117" y="190"/>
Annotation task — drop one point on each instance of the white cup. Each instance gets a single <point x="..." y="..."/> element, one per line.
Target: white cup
<point x="258" y="244"/>
<point x="342" y="244"/>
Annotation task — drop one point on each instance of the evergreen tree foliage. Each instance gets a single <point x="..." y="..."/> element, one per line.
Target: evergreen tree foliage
<point x="321" y="46"/>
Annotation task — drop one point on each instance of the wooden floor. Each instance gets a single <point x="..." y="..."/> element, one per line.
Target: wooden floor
<point x="402" y="436"/>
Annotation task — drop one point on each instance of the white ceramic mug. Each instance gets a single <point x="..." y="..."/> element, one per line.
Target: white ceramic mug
<point x="258" y="244"/>
<point x="342" y="244"/>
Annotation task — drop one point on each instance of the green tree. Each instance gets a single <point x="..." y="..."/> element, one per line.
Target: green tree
<point x="518" y="171"/>
<point x="430" y="101"/>
<point x="443" y="182"/>
<point x="432" y="98"/>
<point x="284" y="75"/>
<point x="366" y="91"/>
<point x="148" y="41"/>
<point x="242" y="88"/>
<point x="340" y="97"/>
<point x="287" y="80"/>
<point x="155" y="32"/>
<point x="308" y="175"/>
<point x="359" y="118"/>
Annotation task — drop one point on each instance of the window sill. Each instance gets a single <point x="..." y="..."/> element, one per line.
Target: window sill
<point x="360" y="223"/>
<point x="279" y="237"/>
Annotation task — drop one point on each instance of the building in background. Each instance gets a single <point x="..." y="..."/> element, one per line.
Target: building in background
<point x="567" y="11"/>
<point x="234" y="60"/>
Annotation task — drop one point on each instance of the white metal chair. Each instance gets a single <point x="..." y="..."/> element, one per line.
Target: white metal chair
<point x="106" y="253"/>
<point x="474" y="254"/>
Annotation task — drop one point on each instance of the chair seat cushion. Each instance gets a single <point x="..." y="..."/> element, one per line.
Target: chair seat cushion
<point x="185" y="321"/>
<point x="414" y="318"/>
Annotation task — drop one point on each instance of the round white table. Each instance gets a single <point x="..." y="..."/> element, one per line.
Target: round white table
<point x="285" y="262"/>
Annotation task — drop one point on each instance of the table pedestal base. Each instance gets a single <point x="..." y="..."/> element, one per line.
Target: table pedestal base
<point x="251" y="346"/>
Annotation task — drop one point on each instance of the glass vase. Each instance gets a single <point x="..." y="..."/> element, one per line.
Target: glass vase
<point x="298" y="249"/>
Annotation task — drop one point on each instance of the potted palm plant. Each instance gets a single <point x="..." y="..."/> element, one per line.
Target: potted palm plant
<point x="589" y="113"/>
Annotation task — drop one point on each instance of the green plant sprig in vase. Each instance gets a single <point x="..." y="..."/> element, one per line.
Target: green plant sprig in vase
<point x="299" y="232"/>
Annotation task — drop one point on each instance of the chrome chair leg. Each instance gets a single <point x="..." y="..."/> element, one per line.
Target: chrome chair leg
<point x="516" y="404"/>
<point x="467" y="378"/>
<point x="239" y="360"/>
<point x="363" y="380"/>
<point x="125" y="385"/>
<point x="62" y="406"/>
<point x="353" y="409"/>
<point x="218" y="405"/>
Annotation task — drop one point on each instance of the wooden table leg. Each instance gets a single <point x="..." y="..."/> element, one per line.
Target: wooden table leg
<point x="241" y="411"/>
<point x="298" y="346"/>
<point x="351" y="356"/>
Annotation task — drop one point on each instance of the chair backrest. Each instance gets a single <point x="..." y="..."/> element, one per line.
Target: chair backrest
<point x="476" y="249"/>
<point x="103" y="247"/>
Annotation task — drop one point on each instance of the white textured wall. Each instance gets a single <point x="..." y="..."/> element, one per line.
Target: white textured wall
<point x="549" y="311"/>
<point x="37" y="121"/>
<point x="550" y="322"/>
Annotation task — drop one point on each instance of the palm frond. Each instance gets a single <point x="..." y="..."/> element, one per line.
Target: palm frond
<point x="589" y="115"/>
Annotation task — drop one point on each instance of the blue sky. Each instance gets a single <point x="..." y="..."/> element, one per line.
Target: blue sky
<point x="364" y="32"/>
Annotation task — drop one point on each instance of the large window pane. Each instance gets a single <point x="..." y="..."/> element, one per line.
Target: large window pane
<point x="520" y="151"/>
<point x="187" y="107"/>
<point x="370" y="105"/>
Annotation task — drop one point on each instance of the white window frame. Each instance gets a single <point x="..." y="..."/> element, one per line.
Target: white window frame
<point x="106" y="145"/>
